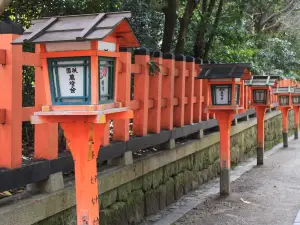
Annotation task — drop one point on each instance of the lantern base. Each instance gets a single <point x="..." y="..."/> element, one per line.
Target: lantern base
<point x="225" y="181"/>
<point x="260" y="155"/>
<point x="285" y="139"/>
<point x="296" y="133"/>
<point x="101" y="116"/>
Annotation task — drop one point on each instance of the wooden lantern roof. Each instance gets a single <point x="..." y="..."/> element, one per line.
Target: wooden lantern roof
<point x="221" y="71"/>
<point x="81" y="28"/>
<point x="284" y="90"/>
<point x="269" y="81"/>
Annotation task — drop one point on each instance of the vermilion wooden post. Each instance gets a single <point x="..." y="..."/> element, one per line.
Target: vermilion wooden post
<point x="141" y="92"/>
<point x="198" y="93"/>
<point x="155" y="89"/>
<point x="179" y="92"/>
<point x="121" y="127"/>
<point x="260" y="114"/>
<point x="285" y="124"/>
<point x="296" y="121"/>
<point x="45" y="135"/>
<point x="246" y="98"/>
<point x="11" y="101"/>
<point x="168" y="92"/>
<point x="205" y="91"/>
<point x="189" y="90"/>
<point x="84" y="144"/>
<point x="224" y="118"/>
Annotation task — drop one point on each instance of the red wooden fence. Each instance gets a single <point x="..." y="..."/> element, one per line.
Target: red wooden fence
<point x="171" y="97"/>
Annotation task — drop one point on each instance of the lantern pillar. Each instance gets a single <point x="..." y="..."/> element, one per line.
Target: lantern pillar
<point x="260" y="114"/>
<point x="296" y="121"/>
<point x="84" y="143"/>
<point x="285" y="128"/>
<point x="224" y="119"/>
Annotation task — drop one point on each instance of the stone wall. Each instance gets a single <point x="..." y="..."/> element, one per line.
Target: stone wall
<point x="129" y="203"/>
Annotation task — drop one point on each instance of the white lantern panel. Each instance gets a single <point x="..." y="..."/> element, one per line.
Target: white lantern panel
<point x="71" y="79"/>
<point x="104" y="77"/>
<point x="222" y="95"/>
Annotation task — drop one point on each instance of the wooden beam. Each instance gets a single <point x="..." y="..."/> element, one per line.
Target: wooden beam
<point x="31" y="59"/>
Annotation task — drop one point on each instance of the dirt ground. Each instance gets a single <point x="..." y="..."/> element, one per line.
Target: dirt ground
<point x="266" y="195"/>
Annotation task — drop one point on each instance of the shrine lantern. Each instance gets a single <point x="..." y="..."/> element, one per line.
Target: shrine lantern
<point x="285" y="104"/>
<point x="284" y="96"/>
<point x="225" y="81"/>
<point x="81" y="62"/>
<point x="261" y="99"/>
<point x="80" y="57"/>
<point x="226" y="98"/>
<point x="296" y="97"/>
<point x="261" y="87"/>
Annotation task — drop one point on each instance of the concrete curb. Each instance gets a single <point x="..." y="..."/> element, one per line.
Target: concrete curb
<point x="184" y="205"/>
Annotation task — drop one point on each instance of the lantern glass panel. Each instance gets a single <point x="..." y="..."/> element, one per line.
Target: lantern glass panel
<point x="221" y="94"/>
<point x="260" y="96"/>
<point x="237" y="94"/>
<point x="70" y="80"/>
<point x="284" y="100"/>
<point x="106" y="79"/>
<point x="296" y="99"/>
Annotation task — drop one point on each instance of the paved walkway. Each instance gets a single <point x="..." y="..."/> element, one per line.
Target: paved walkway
<point x="269" y="194"/>
<point x="265" y="195"/>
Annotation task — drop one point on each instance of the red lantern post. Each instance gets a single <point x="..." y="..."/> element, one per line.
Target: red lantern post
<point x="285" y="105"/>
<point x="225" y="100"/>
<point x="261" y="99"/>
<point x="81" y="65"/>
<point x="296" y="106"/>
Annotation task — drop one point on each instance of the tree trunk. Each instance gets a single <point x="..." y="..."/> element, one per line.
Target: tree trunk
<point x="214" y="30"/>
<point x="170" y="24"/>
<point x="184" y="24"/>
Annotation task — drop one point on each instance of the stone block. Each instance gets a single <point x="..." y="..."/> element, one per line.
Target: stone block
<point x="54" y="183"/>
<point x="157" y="177"/>
<point x="123" y="191"/>
<point x="135" y="207"/>
<point x="137" y="184"/>
<point x="179" y="185"/>
<point x="216" y="166"/>
<point x="206" y="159"/>
<point x="198" y="135"/>
<point x="123" y="160"/>
<point x="190" y="162"/>
<point x="169" y="171"/>
<point x="108" y="198"/>
<point x="147" y="181"/>
<point x="162" y="189"/>
<point x="204" y="174"/>
<point x="170" y="191"/>
<point x="108" y="216"/>
<point x="120" y="212"/>
<point x="168" y="145"/>
<point x="210" y="172"/>
<point x="151" y="202"/>
<point x="188" y="181"/>
<point x="197" y="177"/>
<point x="67" y="216"/>
<point x="195" y="185"/>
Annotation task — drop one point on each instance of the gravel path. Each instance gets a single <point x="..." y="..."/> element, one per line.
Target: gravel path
<point x="268" y="194"/>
